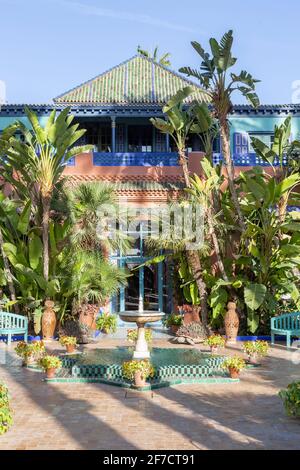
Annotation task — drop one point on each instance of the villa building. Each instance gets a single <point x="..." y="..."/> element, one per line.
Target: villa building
<point x="141" y="163"/>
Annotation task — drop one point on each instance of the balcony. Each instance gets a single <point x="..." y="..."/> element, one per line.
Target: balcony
<point x="145" y="159"/>
<point x="247" y="159"/>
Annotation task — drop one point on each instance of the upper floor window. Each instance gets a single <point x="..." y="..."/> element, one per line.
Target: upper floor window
<point x="266" y="138"/>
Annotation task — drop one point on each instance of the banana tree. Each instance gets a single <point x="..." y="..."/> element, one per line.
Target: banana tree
<point x="219" y="85"/>
<point x="37" y="162"/>
<point x="163" y="60"/>
<point x="280" y="156"/>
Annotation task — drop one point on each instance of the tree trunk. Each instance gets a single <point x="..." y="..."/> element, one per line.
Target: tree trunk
<point x="225" y="140"/>
<point x="8" y="274"/>
<point x="184" y="165"/>
<point x="193" y="257"/>
<point x="216" y="244"/>
<point x="45" y="234"/>
<point x="195" y="265"/>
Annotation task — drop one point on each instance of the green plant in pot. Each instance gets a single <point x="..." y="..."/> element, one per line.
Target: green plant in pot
<point x="5" y="410"/>
<point x="215" y="342"/>
<point x="132" y="335"/>
<point x="234" y="365"/>
<point x="50" y="364"/>
<point x="174" y="322"/>
<point x="291" y="399"/>
<point x="69" y="342"/>
<point x="138" y="371"/>
<point x="30" y="352"/>
<point x="255" y="349"/>
<point x="107" y="323"/>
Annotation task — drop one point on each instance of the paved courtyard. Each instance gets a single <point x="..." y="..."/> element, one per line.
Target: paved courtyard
<point x="245" y="415"/>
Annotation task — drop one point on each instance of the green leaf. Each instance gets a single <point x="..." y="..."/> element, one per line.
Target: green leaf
<point x="254" y="295"/>
<point x="24" y="219"/>
<point x="35" y="248"/>
<point x="252" y="321"/>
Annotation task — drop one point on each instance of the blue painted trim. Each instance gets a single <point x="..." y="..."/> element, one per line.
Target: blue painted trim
<point x="135" y="159"/>
<point x="20" y="338"/>
<point x="247" y="159"/>
<point x="259" y="338"/>
<point x="71" y="162"/>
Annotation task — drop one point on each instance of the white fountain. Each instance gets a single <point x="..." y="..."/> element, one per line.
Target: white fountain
<point x="140" y="317"/>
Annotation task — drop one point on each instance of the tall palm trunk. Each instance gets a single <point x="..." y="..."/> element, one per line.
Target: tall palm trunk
<point x="192" y="256"/>
<point x="225" y="141"/>
<point x="216" y="245"/>
<point x="45" y="234"/>
<point x="8" y="274"/>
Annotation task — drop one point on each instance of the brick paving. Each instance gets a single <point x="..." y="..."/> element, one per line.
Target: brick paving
<point x="245" y="415"/>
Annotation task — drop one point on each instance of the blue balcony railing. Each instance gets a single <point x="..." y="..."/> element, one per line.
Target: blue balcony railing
<point x="247" y="159"/>
<point x="135" y="159"/>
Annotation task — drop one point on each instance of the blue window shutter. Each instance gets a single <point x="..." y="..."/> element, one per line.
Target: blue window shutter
<point x="240" y="143"/>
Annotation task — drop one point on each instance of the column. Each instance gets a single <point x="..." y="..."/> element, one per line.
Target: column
<point x="167" y="142"/>
<point x="113" y="134"/>
<point x="160" y="287"/>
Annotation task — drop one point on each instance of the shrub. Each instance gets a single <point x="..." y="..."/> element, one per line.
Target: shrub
<point x="235" y="362"/>
<point x="173" y="319"/>
<point x="107" y="323"/>
<point x="256" y="347"/>
<point x="291" y="399"/>
<point x="133" y="334"/>
<point x="5" y="410"/>
<point x="129" y="368"/>
<point x="68" y="340"/>
<point x="49" y="362"/>
<point x="192" y="330"/>
<point x="215" y="341"/>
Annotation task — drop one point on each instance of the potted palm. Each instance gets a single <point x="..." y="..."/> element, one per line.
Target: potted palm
<point x="138" y="371"/>
<point x="107" y="323"/>
<point x="255" y="349"/>
<point x="49" y="364"/>
<point x="215" y="342"/>
<point x="234" y="365"/>
<point x="69" y="342"/>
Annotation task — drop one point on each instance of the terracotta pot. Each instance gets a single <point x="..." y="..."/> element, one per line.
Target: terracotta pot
<point x="174" y="329"/>
<point x="48" y="321"/>
<point x="70" y="348"/>
<point x="50" y="373"/>
<point x="231" y="322"/>
<point x="191" y="314"/>
<point x="234" y="373"/>
<point x="29" y="360"/>
<point x="88" y="315"/>
<point x="139" y="381"/>
<point x="253" y="358"/>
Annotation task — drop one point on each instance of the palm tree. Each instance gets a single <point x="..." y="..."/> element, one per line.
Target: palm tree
<point x="213" y="77"/>
<point x="89" y="203"/>
<point x="164" y="59"/>
<point x="39" y="160"/>
<point x="179" y="123"/>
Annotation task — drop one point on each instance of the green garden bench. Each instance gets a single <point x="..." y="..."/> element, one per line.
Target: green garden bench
<point x="12" y="324"/>
<point x="287" y="325"/>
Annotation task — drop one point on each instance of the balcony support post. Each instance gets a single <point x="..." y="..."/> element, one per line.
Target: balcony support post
<point x="113" y="134"/>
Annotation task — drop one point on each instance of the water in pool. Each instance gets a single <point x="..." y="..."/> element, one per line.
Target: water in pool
<point x="159" y="356"/>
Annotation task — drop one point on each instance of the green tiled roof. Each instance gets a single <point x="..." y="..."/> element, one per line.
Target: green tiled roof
<point x="139" y="81"/>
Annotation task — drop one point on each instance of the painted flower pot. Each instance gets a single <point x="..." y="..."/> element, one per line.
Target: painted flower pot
<point x="139" y="380"/>
<point x="253" y="358"/>
<point x="70" y="348"/>
<point x="28" y="361"/>
<point x="234" y="373"/>
<point x="174" y="329"/>
<point x="50" y="373"/>
<point x="214" y="349"/>
<point x="232" y="323"/>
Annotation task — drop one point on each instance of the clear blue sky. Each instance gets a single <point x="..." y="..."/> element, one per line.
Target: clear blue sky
<point x="49" y="46"/>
